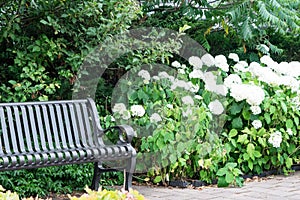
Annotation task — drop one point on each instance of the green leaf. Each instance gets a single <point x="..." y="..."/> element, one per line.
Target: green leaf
<point x="291" y="148"/>
<point x="272" y="109"/>
<point x="222" y="172"/>
<point x="296" y="120"/>
<point x="242" y="138"/>
<point x="181" y="147"/>
<point x="250" y="150"/>
<point x="289" y="123"/>
<point x="288" y="162"/>
<point x="237" y="123"/>
<point x="222" y="182"/>
<point x="157" y="179"/>
<point x="173" y="158"/>
<point x="267" y="118"/>
<point x="36" y="49"/>
<point x="231" y="165"/>
<point x="236" y="108"/>
<point x="229" y="177"/>
<point x="250" y="164"/>
<point x="233" y="133"/>
<point x="237" y="172"/>
<point x="262" y="141"/>
<point x="246" y="114"/>
<point x="257" y="154"/>
<point x="246" y="156"/>
<point x="283" y="106"/>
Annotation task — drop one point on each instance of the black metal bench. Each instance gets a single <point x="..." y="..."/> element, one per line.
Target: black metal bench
<point x="53" y="133"/>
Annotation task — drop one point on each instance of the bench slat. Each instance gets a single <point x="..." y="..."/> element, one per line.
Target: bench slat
<point x="12" y="132"/>
<point x="26" y="129"/>
<point x="61" y="127"/>
<point x="19" y="129"/>
<point x="53" y="115"/>
<point x="87" y="123"/>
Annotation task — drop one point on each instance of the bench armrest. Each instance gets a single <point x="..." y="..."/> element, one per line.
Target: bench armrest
<point x="123" y="129"/>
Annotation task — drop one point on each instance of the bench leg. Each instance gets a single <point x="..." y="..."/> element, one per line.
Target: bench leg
<point x="129" y="172"/>
<point x="97" y="176"/>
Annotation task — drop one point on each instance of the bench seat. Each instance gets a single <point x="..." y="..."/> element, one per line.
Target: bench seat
<point x="55" y="133"/>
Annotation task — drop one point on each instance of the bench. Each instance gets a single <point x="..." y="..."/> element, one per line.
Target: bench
<point x="55" y="133"/>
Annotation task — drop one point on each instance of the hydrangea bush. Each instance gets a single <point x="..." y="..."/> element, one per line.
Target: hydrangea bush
<point x="209" y="119"/>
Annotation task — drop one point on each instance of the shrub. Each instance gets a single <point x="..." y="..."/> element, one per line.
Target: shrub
<point x="177" y="117"/>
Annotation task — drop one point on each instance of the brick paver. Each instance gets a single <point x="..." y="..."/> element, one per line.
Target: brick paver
<point x="274" y="187"/>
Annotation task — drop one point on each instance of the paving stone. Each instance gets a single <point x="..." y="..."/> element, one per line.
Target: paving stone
<point x="279" y="187"/>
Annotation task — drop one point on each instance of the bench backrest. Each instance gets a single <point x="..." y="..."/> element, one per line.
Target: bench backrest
<point x="47" y="126"/>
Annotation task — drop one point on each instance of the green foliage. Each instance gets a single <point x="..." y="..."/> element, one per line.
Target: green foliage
<point x="222" y="27"/>
<point x="43" y="43"/>
<point x="230" y="174"/>
<point x="62" y="179"/>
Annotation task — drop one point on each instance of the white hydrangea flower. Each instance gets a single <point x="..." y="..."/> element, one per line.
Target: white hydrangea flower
<point x="295" y="103"/>
<point x="256" y="124"/>
<point x="237" y="92"/>
<point x="193" y="88"/>
<point x="198" y="97"/>
<point x="289" y="131"/>
<point x="179" y="83"/>
<point x="196" y="62"/>
<point x="181" y="71"/>
<point x="210" y="84"/>
<point x="119" y="108"/>
<point x="196" y="74"/>
<point x="163" y="74"/>
<point x="267" y="60"/>
<point x="156" y="78"/>
<point x="188" y="100"/>
<point x="241" y="66"/>
<point x="216" y="107"/>
<point x="170" y="106"/>
<point x="155" y="117"/>
<point x="210" y="78"/>
<point x="176" y="64"/>
<point x="234" y="57"/>
<point x="208" y="60"/>
<point x="231" y="80"/>
<point x="221" y="62"/>
<point x="137" y="110"/>
<point x="275" y="139"/>
<point x="255" y="110"/>
<point x="145" y="75"/>
<point x="255" y="95"/>
<point x="187" y="113"/>
<point x="290" y="82"/>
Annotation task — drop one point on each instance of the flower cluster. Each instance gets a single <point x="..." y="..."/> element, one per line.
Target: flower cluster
<point x="256" y="124"/>
<point x="254" y="95"/>
<point x="275" y="139"/>
<point x="137" y="110"/>
<point x="155" y="117"/>
<point x="120" y="109"/>
<point x="145" y="75"/>
<point x="216" y="107"/>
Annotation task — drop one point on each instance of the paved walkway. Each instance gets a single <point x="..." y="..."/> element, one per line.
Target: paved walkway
<point x="273" y="187"/>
